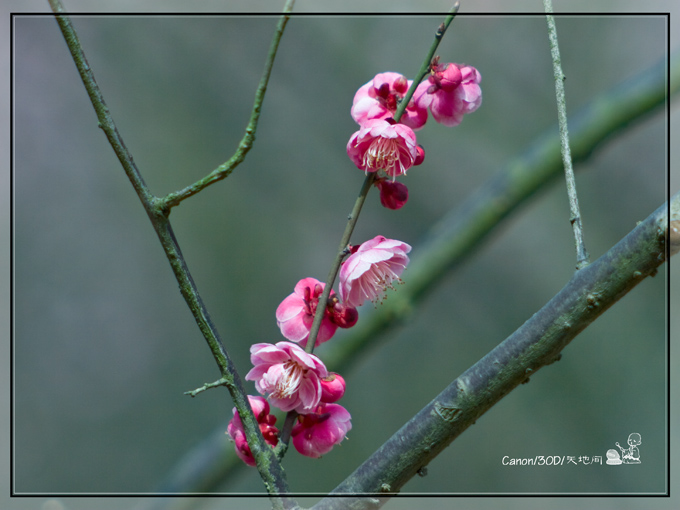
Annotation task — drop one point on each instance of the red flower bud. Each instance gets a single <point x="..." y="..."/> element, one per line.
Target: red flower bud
<point x="393" y="194"/>
<point x="342" y="315"/>
<point x="420" y="157"/>
<point x="332" y="388"/>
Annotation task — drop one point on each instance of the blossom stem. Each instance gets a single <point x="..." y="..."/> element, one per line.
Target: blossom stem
<point x="358" y="204"/>
<point x="582" y="258"/>
<point x="425" y="67"/>
<point x="284" y="437"/>
<point x="366" y="186"/>
<point x="335" y="267"/>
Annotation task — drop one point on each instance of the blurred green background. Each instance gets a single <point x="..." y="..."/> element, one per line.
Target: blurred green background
<point x="105" y="346"/>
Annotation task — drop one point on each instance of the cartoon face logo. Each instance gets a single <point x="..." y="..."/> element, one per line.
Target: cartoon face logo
<point x="634" y="439"/>
<point x="631" y="455"/>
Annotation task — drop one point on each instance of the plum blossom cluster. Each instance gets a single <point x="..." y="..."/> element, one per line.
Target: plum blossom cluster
<point x="297" y="381"/>
<point x="288" y="376"/>
<point x="266" y="423"/>
<point x="450" y="91"/>
<point x="291" y="379"/>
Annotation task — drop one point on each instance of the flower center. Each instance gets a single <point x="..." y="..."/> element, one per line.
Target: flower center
<point x="311" y="299"/>
<point x="289" y="382"/>
<point x="379" y="277"/>
<point x="383" y="153"/>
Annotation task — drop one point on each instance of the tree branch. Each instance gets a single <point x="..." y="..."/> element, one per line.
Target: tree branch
<point x="582" y="258"/>
<point x="537" y="343"/>
<point x="269" y="466"/>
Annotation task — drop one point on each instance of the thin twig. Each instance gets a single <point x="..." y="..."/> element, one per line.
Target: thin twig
<point x="246" y="143"/>
<point x="582" y="258"/>
<point x="425" y="67"/>
<point x="207" y="386"/>
<point x="335" y="266"/>
<point x="103" y="115"/>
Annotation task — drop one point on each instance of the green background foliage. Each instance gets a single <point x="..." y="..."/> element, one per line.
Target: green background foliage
<point x="105" y="346"/>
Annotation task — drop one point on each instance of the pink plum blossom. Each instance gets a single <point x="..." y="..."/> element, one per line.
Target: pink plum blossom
<point x="332" y="388"/>
<point x="295" y="314"/>
<point x="317" y="433"/>
<point x="381" y="145"/>
<point x="290" y="376"/>
<point x="380" y="97"/>
<point x="266" y="421"/>
<point x="450" y="92"/>
<point x="370" y="270"/>
<point x="393" y="194"/>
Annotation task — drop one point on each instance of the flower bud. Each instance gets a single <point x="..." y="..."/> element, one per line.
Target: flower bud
<point x="332" y="388"/>
<point x="340" y="314"/>
<point x="393" y="195"/>
<point x="265" y="421"/>
<point x="420" y="157"/>
<point x="449" y="76"/>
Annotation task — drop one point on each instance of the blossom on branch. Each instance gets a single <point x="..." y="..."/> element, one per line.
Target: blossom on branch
<point x="288" y="375"/>
<point x="370" y="270"/>
<point x="381" y="145"/>
<point x="380" y="98"/>
<point x="315" y="434"/>
<point x="332" y="388"/>
<point x="266" y="422"/>
<point x="295" y="314"/>
<point x="450" y="92"/>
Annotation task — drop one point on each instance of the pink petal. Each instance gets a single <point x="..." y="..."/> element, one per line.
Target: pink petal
<point x="289" y="308"/>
